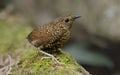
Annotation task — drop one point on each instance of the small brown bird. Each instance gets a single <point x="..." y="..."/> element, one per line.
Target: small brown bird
<point x="53" y="35"/>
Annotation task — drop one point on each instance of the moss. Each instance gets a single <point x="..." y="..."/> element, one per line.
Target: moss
<point x="31" y="64"/>
<point x="12" y="37"/>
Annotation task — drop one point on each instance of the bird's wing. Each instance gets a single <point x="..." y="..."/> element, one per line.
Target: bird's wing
<point x="37" y="38"/>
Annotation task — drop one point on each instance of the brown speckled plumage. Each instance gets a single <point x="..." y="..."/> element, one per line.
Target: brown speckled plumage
<point x="53" y="35"/>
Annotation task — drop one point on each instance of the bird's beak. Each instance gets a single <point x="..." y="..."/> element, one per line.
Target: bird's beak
<point x="76" y="17"/>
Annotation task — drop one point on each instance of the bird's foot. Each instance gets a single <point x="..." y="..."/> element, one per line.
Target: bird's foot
<point x="53" y="59"/>
<point x="49" y="56"/>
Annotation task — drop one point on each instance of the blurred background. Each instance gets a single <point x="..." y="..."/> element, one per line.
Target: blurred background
<point x="95" y="41"/>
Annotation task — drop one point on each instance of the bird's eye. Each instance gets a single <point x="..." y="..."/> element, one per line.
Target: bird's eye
<point x="66" y="20"/>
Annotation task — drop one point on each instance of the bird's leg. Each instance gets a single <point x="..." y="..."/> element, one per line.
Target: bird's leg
<point x="49" y="56"/>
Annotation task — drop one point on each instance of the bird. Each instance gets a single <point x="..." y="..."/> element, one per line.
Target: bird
<point x="52" y="35"/>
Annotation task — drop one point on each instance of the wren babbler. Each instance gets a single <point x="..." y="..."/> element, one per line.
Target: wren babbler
<point x="53" y="35"/>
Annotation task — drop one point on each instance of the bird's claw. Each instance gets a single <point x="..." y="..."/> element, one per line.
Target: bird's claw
<point x="53" y="59"/>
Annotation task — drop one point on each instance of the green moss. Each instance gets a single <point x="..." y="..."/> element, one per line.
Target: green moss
<point x="12" y="37"/>
<point x="32" y="64"/>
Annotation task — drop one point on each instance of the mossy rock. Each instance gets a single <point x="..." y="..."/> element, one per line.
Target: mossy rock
<point x="31" y="64"/>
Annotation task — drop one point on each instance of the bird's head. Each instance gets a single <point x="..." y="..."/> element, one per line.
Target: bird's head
<point x="66" y="20"/>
